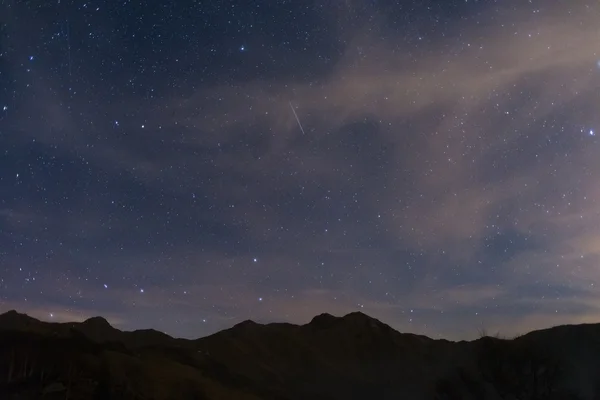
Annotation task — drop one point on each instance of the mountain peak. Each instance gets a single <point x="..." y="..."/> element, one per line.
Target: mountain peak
<point x="357" y="315"/>
<point x="12" y="314"/>
<point x="358" y="318"/>
<point x="323" y="321"/>
<point x="97" y="322"/>
<point x="247" y="324"/>
<point x="12" y="317"/>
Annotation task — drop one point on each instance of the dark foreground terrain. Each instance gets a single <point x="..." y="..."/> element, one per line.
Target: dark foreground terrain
<point x="351" y="357"/>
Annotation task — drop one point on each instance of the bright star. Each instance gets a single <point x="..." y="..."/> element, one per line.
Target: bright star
<point x="105" y="286"/>
<point x="592" y="133"/>
<point x="242" y="48"/>
<point x="30" y="58"/>
<point x="255" y="259"/>
<point x="4" y="108"/>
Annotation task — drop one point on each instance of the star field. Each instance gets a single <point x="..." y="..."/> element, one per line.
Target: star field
<point x="185" y="166"/>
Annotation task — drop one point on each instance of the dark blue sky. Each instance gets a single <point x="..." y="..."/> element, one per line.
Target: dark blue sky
<point x="186" y="166"/>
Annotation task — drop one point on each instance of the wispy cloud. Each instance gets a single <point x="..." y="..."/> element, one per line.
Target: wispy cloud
<point x="425" y="163"/>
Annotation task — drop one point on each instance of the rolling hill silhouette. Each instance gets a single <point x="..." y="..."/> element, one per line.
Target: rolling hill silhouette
<point x="349" y="357"/>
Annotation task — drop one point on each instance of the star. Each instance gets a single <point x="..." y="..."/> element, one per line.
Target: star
<point x="242" y="48"/>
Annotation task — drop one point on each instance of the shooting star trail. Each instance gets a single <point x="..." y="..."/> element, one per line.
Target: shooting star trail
<point x="297" y="119"/>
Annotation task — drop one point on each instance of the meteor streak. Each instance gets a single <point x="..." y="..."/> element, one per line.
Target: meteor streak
<point x="297" y="119"/>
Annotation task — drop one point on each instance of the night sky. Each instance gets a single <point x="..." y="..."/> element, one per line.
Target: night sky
<point x="188" y="165"/>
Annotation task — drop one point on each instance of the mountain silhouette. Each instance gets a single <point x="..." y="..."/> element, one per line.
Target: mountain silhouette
<point x="349" y="357"/>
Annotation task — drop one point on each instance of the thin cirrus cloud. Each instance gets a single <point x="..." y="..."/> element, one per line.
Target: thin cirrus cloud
<point x="482" y="102"/>
<point x="459" y="152"/>
<point x="508" y="88"/>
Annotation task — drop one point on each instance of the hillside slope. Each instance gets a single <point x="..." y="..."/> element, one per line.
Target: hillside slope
<point x="350" y="357"/>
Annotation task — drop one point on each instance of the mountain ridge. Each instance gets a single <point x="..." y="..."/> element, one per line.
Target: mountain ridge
<point x="323" y="319"/>
<point x="349" y="357"/>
